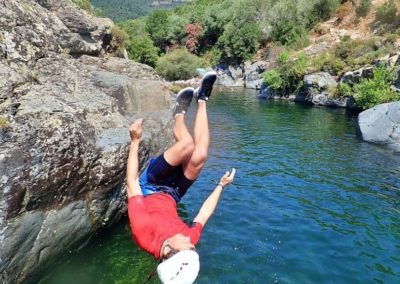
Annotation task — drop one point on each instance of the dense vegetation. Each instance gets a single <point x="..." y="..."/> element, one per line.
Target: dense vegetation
<point x="232" y="31"/>
<point x="122" y="10"/>
<point x="227" y="31"/>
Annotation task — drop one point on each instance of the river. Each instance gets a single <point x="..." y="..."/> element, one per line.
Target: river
<point x="311" y="203"/>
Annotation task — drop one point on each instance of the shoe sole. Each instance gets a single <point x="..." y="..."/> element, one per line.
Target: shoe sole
<point x="185" y="95"/>
<point x="211" y="75"/>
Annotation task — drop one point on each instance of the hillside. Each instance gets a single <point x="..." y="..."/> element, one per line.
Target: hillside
<point x="121" y="10"/>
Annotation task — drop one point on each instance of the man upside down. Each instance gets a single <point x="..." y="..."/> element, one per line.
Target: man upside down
<point x="153" y="197"/>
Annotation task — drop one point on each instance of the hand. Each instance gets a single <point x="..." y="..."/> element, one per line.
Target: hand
<point x="227" y="178"/>
<point x="135" y="130"/>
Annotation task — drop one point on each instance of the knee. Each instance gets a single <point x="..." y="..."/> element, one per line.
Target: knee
<point x="187" y="146"/>
<point x="199" y="158"/>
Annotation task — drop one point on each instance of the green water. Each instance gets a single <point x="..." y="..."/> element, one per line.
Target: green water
<point x="311" y="203"/>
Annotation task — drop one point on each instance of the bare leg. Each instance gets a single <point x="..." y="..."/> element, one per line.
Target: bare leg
<point x="183" y="148"/>
<point x="195" y="164"/>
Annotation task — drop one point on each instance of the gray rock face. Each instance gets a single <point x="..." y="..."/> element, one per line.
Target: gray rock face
<point x="63" y="132"/>
<point x="319" y="89"/>
<point x="230" y="77"/>
<point x="381" y="125"/>
<point x="252" y="72"/>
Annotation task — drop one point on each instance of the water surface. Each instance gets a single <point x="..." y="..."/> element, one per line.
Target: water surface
<point x="311" y="203"/>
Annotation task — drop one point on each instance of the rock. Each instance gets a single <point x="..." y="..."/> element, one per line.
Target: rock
<point x="230" y="77"/>
<point x="252" y="72"/>
<point x="353" y="77"/>
<point x="64" y="148"/>
<point x="381" y="125"/>
<point x="319" y="90"/>
<point x="265" y="92"/>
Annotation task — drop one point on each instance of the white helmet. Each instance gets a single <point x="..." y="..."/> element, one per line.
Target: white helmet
<point x="181" y="268"/>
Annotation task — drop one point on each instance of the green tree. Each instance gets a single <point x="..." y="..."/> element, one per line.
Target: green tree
<point x="239" y="43"/>
<point x="140" y="47"/>
<point x="157" y="27"/>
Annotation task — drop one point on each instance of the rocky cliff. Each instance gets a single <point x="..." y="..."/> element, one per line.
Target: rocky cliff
<point x="65" y="106"/>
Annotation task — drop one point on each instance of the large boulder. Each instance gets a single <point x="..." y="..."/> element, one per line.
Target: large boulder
<point x="381" y="125"/>
<point x="63" y="133"/>
<point x="320" y="89"/>
<point x="252" y="73"/>
<point x="230" y="77"/>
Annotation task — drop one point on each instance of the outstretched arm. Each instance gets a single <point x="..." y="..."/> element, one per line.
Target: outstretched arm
<point x="208" y="207"/>
<point x="132" y="172"/>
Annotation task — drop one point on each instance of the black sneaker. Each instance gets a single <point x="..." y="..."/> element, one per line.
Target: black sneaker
<point x="206" y="85"/>
<point x="183" y="100"/>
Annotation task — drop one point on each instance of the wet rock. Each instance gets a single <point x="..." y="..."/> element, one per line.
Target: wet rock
<point x="381" y="125"/>
<point x="266" y="92"/>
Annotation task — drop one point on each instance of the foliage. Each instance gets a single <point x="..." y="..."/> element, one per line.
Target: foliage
<point x="328" y="62"/>
<point x="345" y="90"/>
<point x="370" y="92"/>
<point x="119" y="37"/>
<point x="386" y="13"/>
<point x="273" y="78"/>
<point x="3" y="122"/>
<point x="363" y="8"/>
<point x="156" y="26"/>
<point x="175" y="88"/>
<point x="83" y="4"/>
<point x="139" y="47"/>
<point x="123" y="10"/>
<point x="288" y="76"/>
<point x="194" y="32"/>
<point x="178" y="64"/>
<point x="238" y="43"/>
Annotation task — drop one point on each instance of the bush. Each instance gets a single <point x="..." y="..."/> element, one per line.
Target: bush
<point x="363" y="8"/>
<point x="141" y="49"/>
<point x="83" y="4"/>
<point x="288" y="76"/>
<point x="345" y="90"/>
<point x="386" y="13"/>
<point x="119" y="37"/>
<point x="273" y="78"/>
<point x="328" y="62"/>
<point x="239" y="43"/>
<point x="371" y="92"/>
<point x="3" y="122"/>
<point x="179" y="64"/>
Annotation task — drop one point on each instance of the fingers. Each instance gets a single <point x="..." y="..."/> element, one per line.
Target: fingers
<point x="232" y="175"/>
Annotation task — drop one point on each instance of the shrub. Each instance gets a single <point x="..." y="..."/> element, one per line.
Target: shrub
<point x="328" y="62"/>
<point x="363" y="8"/>
<point x="119" y="37"/>
<point x="370" y="92"/>
<point x="345" y="90"/>
<point x="239" y="43"/>
<point x="83" y="4"/>
<point x="141" y="49"/>
<point x="355" y="48"/>
<point x="178" y="64"/>
<point x="3" y="122"/>
<point x="386" y="13"/>
<point x="212" y="57"/>
<point x="273" y="78"/>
